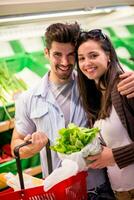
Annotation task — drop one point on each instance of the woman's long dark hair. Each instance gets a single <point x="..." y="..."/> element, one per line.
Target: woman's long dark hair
<point x="91" y="95"/>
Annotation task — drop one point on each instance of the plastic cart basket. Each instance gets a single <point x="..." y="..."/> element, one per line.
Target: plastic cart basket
<point x="73" y="188"/>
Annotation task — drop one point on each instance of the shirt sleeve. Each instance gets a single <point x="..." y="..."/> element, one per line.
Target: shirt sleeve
<point x="124" y="156"/>
<point x="23" y="123"/>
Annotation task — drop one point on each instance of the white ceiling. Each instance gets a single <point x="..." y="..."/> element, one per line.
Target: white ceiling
<point x="93" y="14"/>
<point x="13" y="7"/>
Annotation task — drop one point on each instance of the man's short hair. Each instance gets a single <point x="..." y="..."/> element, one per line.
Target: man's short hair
<point x="62" y="33"/>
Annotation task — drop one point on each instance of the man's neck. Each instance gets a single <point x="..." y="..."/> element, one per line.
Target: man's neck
<point x="57" y="81"/>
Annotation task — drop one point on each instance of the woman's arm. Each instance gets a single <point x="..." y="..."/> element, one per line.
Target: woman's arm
<point x="124" y="156"/>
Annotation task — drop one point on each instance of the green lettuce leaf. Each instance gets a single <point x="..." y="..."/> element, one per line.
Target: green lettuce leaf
<point x="74" y="138"/>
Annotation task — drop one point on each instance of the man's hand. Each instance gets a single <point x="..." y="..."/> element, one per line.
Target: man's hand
<point x="104" y="159"/>
<point x="38" y="139"/>
<point x="126" y="85"/>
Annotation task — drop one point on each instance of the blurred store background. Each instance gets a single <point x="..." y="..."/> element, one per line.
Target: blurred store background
<point x="22" y="28"/>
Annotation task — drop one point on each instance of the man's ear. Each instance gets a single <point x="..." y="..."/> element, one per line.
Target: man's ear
<point x="46" y="52"/>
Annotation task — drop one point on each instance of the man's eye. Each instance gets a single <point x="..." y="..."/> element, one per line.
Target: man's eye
<point x="57" y="55"/>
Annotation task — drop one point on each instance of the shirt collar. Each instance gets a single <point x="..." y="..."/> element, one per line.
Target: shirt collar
<point x="42" y="87"/>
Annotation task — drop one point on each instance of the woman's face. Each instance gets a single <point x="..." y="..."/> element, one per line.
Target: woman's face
<point x="93" y="61"/>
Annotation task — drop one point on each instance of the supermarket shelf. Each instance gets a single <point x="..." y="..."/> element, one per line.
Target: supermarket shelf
<point x="6" y="125"/>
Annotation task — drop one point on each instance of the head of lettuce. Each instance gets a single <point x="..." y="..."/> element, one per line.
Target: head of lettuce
<point x="76" y="143"/>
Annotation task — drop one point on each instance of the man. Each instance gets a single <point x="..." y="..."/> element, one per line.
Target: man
<point x="55" y="102"/>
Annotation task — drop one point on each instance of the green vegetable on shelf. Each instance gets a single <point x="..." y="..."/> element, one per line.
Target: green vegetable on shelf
<point x="9" y="85"/>
<point x="9" y="82"/>
<point x="74" y="138"/>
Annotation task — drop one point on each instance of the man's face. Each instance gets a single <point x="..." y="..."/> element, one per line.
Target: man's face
<point x="62" y="59"/>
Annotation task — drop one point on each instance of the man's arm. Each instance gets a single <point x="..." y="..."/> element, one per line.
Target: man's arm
<point x="38" y="139"/>
<point x="126" y="85"/>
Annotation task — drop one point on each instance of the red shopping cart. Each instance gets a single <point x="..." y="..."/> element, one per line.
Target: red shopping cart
<point x="73" y="188"/>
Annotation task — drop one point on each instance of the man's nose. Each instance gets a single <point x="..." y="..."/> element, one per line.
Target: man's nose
<point x="64" y="61"/>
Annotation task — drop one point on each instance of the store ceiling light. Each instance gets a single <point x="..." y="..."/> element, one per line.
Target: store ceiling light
<point x="39" y="16"/>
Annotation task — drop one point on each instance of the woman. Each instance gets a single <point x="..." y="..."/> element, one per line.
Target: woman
<point x="98" y="76"/>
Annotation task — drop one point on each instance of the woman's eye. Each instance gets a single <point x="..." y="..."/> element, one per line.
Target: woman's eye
<point x="81" y="58"/>
<point x="92" y="56"/>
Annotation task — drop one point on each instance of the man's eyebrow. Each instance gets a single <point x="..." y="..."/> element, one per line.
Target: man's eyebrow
<point x="57" y="52"/>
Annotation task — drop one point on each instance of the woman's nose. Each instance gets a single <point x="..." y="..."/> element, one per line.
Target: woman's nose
<point x="87" y="61"/>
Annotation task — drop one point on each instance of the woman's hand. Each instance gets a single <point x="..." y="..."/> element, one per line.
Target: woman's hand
<point x="104" y="159"/>
<point x="126" y="85"/>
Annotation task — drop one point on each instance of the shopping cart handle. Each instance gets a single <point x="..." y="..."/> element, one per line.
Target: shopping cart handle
<point x="17" y="148"/>
<point x="18" y="162"/>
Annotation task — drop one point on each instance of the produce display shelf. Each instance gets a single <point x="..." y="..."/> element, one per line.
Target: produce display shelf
<point x="30" y="163"/>
<point x="35" y="62"/>
<point x="10" y="109"/>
